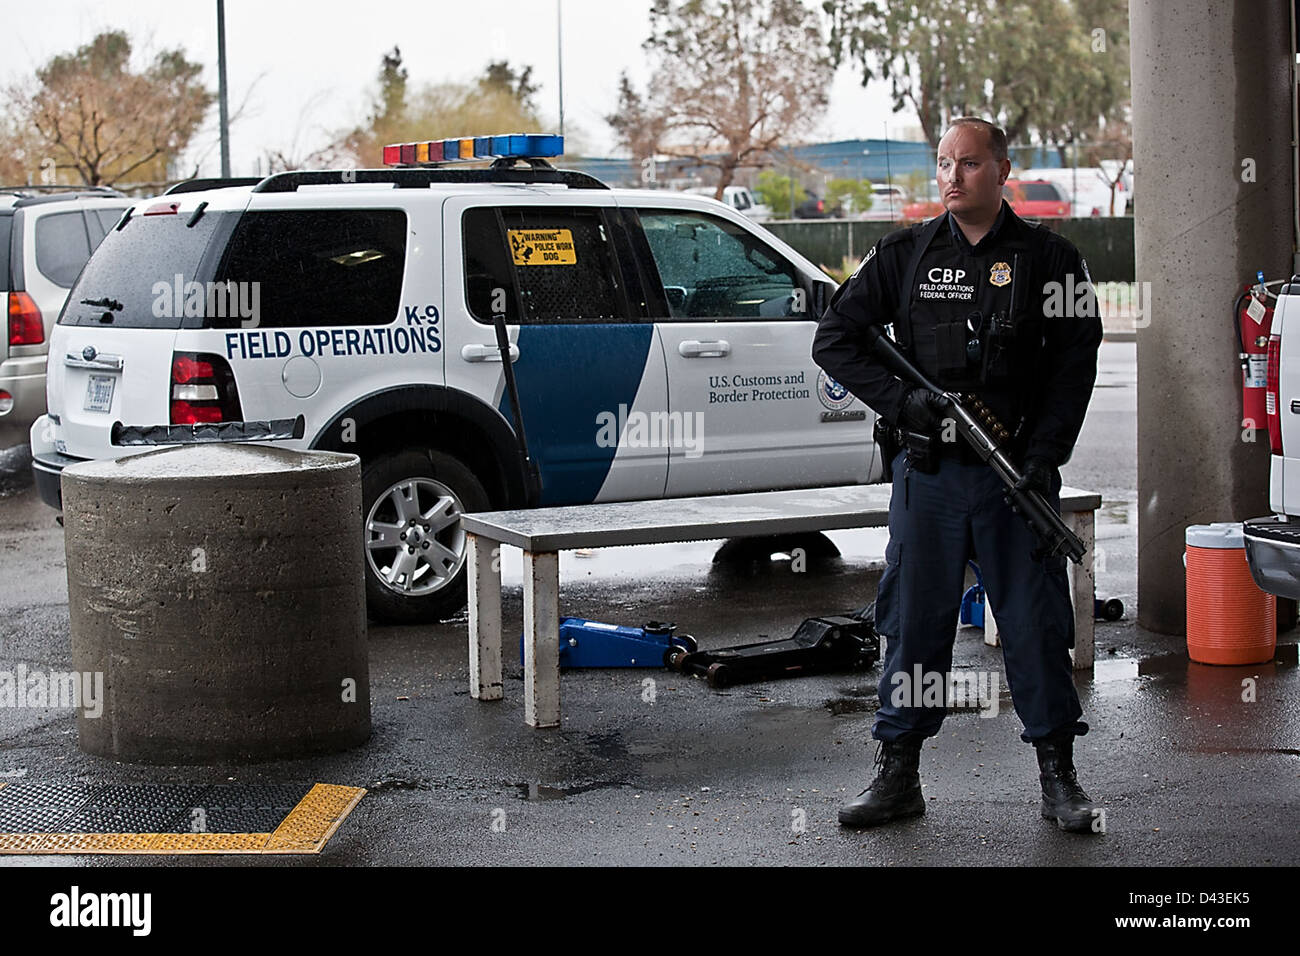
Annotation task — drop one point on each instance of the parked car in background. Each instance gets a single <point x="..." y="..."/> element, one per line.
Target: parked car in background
<point x="924" y="207"/>
<point x="1085" y="186"/>
<point x="1036" y="199"/>
<point x="887" y="203"/>
<point x="739" y="198"/>
<point x="814" y="207"/>
<point x="46" y="236"/>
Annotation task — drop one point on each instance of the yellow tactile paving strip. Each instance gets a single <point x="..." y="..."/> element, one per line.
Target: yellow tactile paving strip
<point x="306" y="830"/>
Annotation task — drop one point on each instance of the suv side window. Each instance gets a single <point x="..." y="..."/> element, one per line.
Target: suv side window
<point x="318" y="267"/>
<point x="62" y="247"/>
<point x="541" y="265"/>
<point x="712" y="268"/>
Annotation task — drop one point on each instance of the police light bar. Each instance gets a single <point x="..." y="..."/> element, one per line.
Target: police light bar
<point x="468" y="149"/>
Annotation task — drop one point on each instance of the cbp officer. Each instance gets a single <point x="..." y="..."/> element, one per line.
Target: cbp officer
<point x="990" y="306"/>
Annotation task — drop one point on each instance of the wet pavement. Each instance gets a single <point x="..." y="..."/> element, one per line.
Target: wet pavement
<point x="1195" y="765"/>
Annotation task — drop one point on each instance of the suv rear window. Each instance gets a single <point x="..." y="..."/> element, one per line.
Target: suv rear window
<point x="142" y="276"/>
<point x="6" y="227"/>
<point x="62" y="247"/>
<point x="317" y="267"/>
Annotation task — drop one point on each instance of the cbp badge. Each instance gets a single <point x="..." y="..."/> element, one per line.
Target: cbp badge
<point x="1000" y="274"/>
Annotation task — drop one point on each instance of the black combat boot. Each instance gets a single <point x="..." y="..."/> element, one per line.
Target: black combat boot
<point x="896" y="791"/>
<point x="1063" y="799"/>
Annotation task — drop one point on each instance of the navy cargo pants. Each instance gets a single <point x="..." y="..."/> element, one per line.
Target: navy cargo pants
<point x="936" y="523"/>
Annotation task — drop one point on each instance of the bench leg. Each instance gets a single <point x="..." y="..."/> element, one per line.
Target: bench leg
<point x="990" y="624"/>
<point x="484" y="618"/>
<point x="542" y="639"/>
<point x="1083" y="587"/>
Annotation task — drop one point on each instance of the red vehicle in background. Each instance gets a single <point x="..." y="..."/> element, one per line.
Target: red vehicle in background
<point x="1036" y="199"/>
<point x="1029" y="198"/>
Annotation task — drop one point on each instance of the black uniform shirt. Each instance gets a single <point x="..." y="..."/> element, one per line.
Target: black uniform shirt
<point x="1055" y="361"/>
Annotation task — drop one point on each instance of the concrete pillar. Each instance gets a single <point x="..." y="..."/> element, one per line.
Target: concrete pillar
<point x="1214" y="196"/>
<point x="218" y="592"/>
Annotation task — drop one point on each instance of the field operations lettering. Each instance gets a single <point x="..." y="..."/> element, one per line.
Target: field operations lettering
<point x="542" y="247"/>
<point x="725" y="389"/>
<point x="421" y="334"/>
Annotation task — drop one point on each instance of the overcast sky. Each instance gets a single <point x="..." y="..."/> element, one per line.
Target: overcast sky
<point x="303" y="69"/>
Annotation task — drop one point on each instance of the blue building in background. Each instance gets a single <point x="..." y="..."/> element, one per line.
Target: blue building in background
<point x="879" y="160"/>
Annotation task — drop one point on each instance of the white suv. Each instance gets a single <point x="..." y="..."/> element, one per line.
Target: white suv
<point x="660" y="347"/>
<point x="46" y="236"/>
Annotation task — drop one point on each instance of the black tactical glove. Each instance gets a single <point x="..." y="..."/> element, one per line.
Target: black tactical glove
<point x="1037" y="476"/>
<point x="922" y="411"/>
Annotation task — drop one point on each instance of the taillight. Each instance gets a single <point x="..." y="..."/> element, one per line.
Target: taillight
<point x="26" y="327"/>
<point x="203" y="390"/>
<point x="1271" y="409"/>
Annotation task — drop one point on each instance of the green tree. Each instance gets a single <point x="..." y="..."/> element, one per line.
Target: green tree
<point x="782" y="193"/>
<point x="731" y="81"/>
<point x="1028" y="64"/>
<point x="102" y="121"/>
<point x="501" y="77"/>
<point x="499" y="101"/>
<point x="851" y="195"/>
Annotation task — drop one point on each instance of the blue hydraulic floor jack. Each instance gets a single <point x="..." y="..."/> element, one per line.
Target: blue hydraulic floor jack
<point x="586" y="643"/>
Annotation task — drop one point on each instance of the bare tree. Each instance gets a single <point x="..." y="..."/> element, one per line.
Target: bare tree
<point x="103" y="121"/>
<point x="732" y="80"/>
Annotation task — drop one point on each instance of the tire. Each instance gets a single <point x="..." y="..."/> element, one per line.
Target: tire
<point x="429" y="584"/>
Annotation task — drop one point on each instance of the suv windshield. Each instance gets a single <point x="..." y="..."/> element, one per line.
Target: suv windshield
<point x="147" y="275"/>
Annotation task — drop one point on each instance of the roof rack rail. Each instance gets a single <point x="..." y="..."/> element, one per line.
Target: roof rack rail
<point x="38" y="187"/>
<point x="213" y="182"/>
<point x="501" y="171"/>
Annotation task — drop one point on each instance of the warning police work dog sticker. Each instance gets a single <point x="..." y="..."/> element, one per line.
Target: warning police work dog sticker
<point x="542" y="247"/>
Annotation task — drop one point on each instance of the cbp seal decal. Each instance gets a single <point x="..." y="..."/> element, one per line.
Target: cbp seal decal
<point x="1000" y="274"/>
<point x="832" y="394"/>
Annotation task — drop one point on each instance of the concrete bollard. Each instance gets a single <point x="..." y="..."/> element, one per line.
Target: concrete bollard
<point x="220" y="591"/>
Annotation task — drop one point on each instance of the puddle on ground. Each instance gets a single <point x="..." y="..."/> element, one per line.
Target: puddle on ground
<point x="539" y="791"/>
<point x="839" y="706"/>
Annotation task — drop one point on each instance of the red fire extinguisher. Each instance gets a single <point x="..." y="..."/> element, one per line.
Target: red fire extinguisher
<point x="1252" y="316"/>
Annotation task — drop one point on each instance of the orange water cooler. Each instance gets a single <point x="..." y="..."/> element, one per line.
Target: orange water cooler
<point x="1229" y="619"/>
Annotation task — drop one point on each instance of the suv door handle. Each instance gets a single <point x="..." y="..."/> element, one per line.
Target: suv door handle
<point x="487" y="353"/>
<point x="112" y="363"/>
<point x="692" y="348"/>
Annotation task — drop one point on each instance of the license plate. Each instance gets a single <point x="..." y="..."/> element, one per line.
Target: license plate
<point x="99" y="393"/>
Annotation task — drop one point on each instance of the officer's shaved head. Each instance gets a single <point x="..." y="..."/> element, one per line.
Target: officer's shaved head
<point x="997" y="138"/>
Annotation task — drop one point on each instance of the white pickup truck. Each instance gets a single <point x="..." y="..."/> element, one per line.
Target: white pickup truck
<point x="1273" y="542"/>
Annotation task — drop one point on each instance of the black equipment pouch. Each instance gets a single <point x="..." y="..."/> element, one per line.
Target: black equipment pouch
<point x="950" y="349"/>
<point x="922" y="455"/>
<point x="886" y="439"/>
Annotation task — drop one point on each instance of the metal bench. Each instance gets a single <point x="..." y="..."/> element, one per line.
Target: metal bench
<point x="541" y="533"/>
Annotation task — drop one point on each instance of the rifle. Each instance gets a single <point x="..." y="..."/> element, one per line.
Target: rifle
<point x="1053" y="536"/>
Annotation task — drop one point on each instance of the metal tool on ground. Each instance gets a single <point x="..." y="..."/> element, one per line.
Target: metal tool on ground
<point x="586" y="643"/>
<point x="819" y="645"/>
